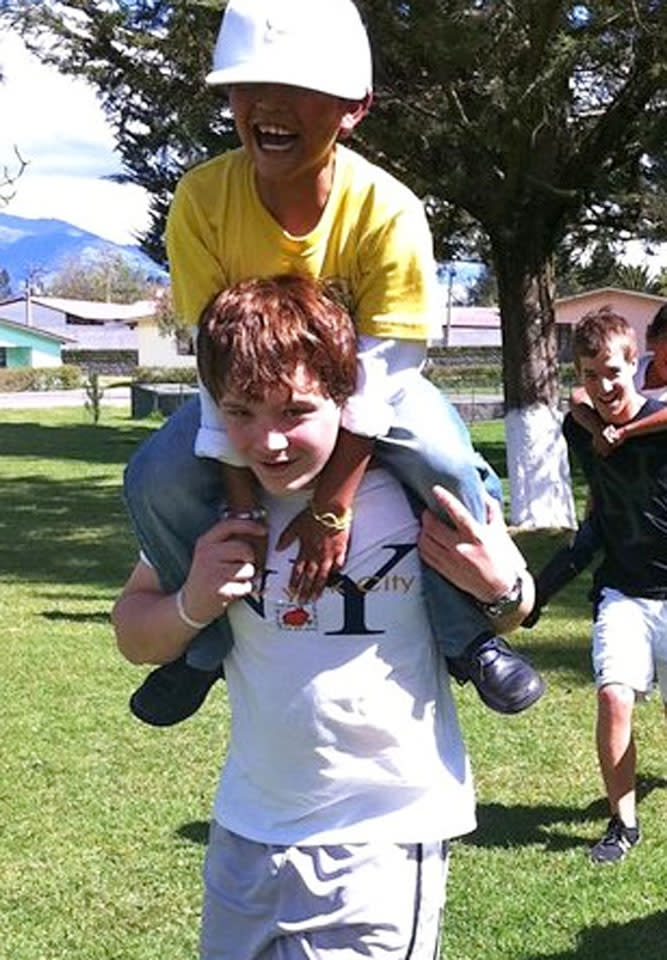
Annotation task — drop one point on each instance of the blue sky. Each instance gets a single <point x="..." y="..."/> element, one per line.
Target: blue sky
<point x="58" y="126"/>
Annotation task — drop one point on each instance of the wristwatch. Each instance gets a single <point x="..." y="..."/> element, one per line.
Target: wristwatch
<point x="507" y="603"/>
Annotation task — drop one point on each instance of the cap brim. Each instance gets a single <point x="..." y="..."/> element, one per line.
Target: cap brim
<point x="307" y="80"/>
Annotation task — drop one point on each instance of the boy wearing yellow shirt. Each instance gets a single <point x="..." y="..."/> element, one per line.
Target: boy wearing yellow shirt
<point x="294" y="200"/>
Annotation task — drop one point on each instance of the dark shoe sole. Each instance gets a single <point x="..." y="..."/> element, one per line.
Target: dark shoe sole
<point x="172" y="693"/>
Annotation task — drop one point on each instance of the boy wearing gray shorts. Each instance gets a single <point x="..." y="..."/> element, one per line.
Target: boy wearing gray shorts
<point x="346" y="773"/>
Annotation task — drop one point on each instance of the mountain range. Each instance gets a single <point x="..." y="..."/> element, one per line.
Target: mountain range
<point x="44" y="246"/>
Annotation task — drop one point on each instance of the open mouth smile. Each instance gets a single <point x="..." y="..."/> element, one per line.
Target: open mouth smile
<point x="272" y="136"/>
<point x="276" y="466"/>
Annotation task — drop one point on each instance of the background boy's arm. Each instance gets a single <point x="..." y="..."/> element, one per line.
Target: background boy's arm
<point x="653" y="423"/>
<point x="606" y="437"/>
<point x="586" y="416"/>
<point x="566" y="564"/>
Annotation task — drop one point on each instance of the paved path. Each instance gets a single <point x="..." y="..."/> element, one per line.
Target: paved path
<point x="472" y="406"/>
<point x="34" y="399"/>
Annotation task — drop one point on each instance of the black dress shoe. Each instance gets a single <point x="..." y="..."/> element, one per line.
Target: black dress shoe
<point x="504" y="680"/>
<point x="172" y="693"/>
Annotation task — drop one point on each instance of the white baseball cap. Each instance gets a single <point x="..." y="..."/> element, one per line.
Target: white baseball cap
<point x="317" y="44"/>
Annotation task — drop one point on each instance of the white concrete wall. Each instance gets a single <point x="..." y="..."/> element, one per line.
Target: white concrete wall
<point x="156" y="350"/>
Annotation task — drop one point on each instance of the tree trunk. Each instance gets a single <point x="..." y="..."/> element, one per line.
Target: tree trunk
<point x="538" y="467"/>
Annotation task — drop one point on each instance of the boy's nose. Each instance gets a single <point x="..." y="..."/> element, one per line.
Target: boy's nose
<point x="274" y="441"/>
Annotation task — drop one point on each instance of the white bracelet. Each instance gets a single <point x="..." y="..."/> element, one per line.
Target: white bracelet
<point x="195" y="624"/>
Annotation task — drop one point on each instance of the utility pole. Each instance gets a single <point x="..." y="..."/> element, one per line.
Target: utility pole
<point x="448" y="312"/>
<point x="28" y="300"/>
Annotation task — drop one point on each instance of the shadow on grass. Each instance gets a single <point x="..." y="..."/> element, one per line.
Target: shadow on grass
<point x="92" y="444"/>
<point x="195" y="832"/>
<point x="495" y="454"/>
<point x="642" y="938"/>
<point x="96" y="617"/>
<point x="554" y="658"/>
<point x="501" y="825"/>
<point x="64" y="531"/>
<point x="504" y="826"/>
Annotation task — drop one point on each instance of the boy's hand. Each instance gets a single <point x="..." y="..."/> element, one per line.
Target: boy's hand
<point x="480" y="558"/>
<point x="223" y="568"/>
<point x="321" y="553"/>
<point x="613" y="437"/>
<point x="603" y="442"/>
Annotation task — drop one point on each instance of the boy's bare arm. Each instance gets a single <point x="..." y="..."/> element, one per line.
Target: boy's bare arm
<point x="607" y="436"/>
<point x="587" y="417"/>
<point x="155" y="627"/>
<point x="240" y="487"/>
<point x="653" y="423"/>
<point x="323" y="547"/>
<point x="338" y="483"/>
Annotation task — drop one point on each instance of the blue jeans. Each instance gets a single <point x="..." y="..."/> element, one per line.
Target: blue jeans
<point x="173" y="497"/>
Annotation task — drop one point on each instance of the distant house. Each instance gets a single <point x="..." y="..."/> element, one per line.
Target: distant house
<point x="158" y="349"/>
<point x="480" y="326"/>
<point x="89" y="325"/>
<point x="638" y="309"/>
<point x="22" y="346"/>
<point x="470" y="327"/>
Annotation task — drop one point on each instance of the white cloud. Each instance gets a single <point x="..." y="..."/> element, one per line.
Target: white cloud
<point x="58" y="126"/>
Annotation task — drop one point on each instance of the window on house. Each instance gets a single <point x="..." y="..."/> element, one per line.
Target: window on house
<point x="564" y="340"/>
<point x="185" y="345"/>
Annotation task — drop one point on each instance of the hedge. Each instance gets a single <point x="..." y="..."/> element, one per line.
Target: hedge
<point x="186" y="375"/>
<point x="18" y="379"/>
<point x="104" y="362"/>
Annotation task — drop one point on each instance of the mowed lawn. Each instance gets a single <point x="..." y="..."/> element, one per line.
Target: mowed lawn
<point x="103" y="821"/>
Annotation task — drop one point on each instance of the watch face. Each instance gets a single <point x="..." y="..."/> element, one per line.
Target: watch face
<point x="507" y="603"/>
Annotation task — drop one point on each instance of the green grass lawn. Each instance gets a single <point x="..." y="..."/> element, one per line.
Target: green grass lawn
<point x="103" y="821"/>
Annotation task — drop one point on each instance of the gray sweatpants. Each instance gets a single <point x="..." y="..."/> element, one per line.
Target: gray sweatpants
<point x="377" y="901"/>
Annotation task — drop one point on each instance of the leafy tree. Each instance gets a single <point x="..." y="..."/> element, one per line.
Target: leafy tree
<point x="661" y="283"/>
<point x="521" y="123"/>
<point x="484" y="291"/>
<point x="635" y="277"/>
<point x="5" y="284"/>
<point x="147" y="61"/>
<point x="597" y="268"/>
<point x="536" y="120"/>
<point x="107" y="277"/>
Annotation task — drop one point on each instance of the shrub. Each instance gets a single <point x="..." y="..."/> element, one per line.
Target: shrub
<point x="186" y="375"/>
<point x="104" y="362"/>
<point x="18" y="379"/>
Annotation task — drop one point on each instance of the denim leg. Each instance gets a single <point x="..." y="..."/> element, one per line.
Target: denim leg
<point x="428" y="444"/>
<point x="173" y="497"/>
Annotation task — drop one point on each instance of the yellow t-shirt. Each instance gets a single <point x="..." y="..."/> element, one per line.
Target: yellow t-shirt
<point x="372" y="237"/>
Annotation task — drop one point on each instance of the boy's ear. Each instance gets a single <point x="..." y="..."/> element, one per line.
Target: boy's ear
<point x="357" y="110"/>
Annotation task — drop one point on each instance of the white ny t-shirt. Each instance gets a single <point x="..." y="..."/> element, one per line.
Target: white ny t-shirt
<point x="343" y="725"/>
